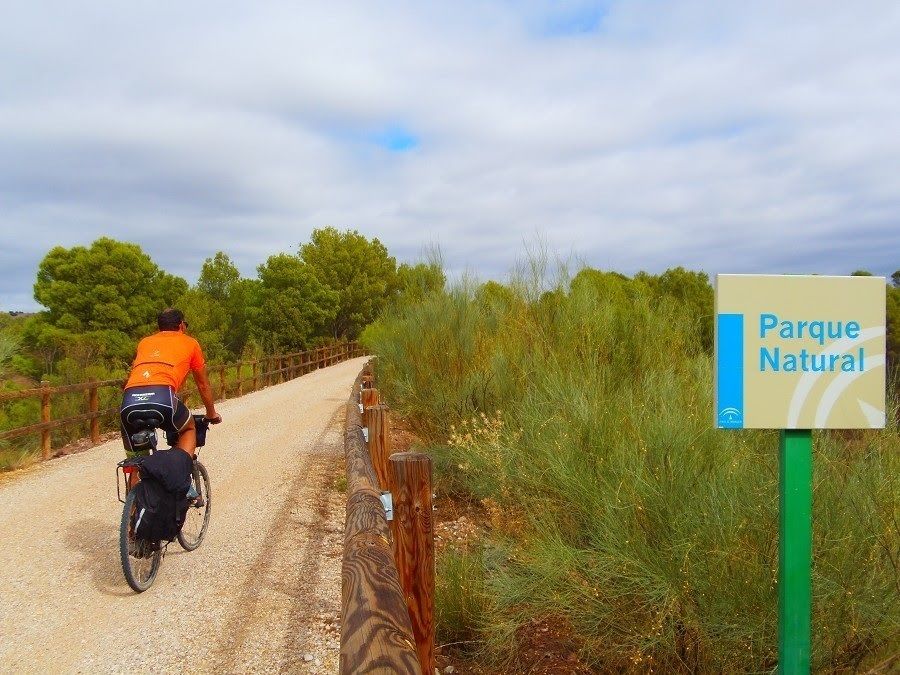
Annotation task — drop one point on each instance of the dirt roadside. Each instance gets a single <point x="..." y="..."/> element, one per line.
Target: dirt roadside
<point x="261" y="594"/>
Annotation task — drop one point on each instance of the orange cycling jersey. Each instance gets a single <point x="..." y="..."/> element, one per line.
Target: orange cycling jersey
<point x="165" y="358"/>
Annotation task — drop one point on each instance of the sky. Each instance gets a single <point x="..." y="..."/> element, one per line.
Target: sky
<point x="642" y="135"/>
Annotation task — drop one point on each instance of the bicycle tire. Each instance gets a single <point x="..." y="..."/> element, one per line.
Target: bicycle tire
<point x="139" y="571"/>
<point x="196" y="521"/>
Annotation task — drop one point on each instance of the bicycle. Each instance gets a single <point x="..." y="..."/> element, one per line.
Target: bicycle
<point x="141" y="558"/>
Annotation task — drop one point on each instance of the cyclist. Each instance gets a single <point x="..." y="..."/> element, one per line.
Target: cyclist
<point x="157" y="373"/>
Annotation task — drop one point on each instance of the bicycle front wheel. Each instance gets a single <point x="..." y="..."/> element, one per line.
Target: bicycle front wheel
<point x="196" y="521"/>
<point x="140" y="560"/>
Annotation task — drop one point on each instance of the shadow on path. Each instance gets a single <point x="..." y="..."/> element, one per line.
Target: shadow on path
<point x="94" y="544"/>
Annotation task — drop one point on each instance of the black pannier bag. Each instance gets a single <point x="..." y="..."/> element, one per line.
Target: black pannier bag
<point x="161" y="499"/>
<point x="159" y="513"/>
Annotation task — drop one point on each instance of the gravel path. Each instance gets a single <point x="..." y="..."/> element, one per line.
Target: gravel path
<point x="261" y="594"/>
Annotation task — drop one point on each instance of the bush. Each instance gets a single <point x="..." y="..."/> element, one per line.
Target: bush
<point x="585" y="415"/>
<point x="462" y="600"/>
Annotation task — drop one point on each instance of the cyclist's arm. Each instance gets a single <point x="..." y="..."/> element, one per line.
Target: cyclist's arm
<point x="206" y="392"/>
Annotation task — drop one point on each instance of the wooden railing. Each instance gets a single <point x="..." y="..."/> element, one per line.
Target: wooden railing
<point x="388" y="570"/>
<point x="259" y="373"/>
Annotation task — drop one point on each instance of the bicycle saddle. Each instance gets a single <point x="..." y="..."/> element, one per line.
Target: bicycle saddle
<point x="146" y="421"/>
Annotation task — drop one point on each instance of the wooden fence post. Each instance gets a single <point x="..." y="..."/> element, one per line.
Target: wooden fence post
<point x="45" y="417"/>
<point x="223" y="390"/>
<point x="368" y="399"/>
<point x="94" y="408"/>
<point x="240" y="382"/>
<point x="380" y="444"/>
<point x="256" y="375"/>
<point x="414" y="547"/>
<point x="376" y="634"/>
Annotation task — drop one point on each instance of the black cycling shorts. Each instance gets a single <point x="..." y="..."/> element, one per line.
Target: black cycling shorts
<point x="173" y="413"/>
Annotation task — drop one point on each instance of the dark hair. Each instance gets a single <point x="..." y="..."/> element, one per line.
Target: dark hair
<point x="169" y="319"/>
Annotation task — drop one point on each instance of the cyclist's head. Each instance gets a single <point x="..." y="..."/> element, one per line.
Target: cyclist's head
<point x="170" y="319"/>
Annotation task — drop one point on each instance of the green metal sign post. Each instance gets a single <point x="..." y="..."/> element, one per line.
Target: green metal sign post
<point x="795" y="552"/>
<point x="788" y="348"/>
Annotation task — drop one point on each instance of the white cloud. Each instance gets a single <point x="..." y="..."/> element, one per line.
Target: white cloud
<point x="728" y="137"/>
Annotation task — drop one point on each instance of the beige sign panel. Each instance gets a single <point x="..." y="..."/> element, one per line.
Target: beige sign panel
<point x="800" y="352"/>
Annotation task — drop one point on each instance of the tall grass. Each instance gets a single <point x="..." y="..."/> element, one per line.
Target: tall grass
<point x="585" y="417"/>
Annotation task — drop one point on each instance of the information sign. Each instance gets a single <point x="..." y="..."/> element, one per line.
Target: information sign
<point x="800" y="352"/>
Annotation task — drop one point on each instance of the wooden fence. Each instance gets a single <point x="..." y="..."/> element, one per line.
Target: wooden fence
<point x="257" y="374"/>
<point x="388" y="569"/>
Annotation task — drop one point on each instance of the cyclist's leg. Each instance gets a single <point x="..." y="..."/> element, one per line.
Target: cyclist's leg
<point x="183" y="423"/>
<point x="187" y="437"/>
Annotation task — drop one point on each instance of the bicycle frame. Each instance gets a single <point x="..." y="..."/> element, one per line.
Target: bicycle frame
<point x="126" y="471"/>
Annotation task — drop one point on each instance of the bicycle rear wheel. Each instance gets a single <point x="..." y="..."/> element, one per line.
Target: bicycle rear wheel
<point x="139" y="562"/>
<point x="196" y="521"/>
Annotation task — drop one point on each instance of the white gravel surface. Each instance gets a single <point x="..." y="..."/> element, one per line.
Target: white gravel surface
<point x="262" y="594"/>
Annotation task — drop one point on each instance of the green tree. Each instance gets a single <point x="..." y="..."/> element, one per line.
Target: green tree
<point x="216" y="308"/>
<point x="8" y="348"/>
<point x="495" y="295"/>
<point x="360" y="272"/>
<point x="417" y="282"/>
<point x="110" y="285"/>
<point x="45" y="341"/>
<point x="892" y="305"/>
<point x="694" y="293"/>
<point x="294" y="305"/>
<point x="218" y="277"/>
<point x="207" y="320"/>
<point x="607" y="285"/>
<point x="243" y="299"/>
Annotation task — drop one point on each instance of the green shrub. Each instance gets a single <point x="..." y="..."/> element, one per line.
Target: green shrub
<point x="462" y="600"/>
<point x="584" y="416"/>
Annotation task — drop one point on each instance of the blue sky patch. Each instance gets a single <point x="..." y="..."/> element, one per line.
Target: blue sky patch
<point x="714" y="130"/>
<point x="396" y="139"/>
<point x="581" y="20"/>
